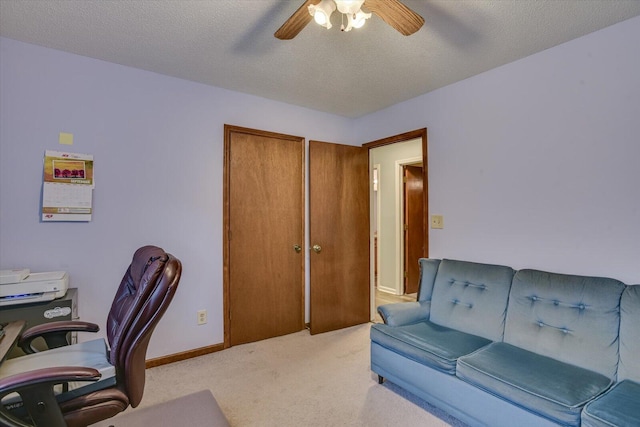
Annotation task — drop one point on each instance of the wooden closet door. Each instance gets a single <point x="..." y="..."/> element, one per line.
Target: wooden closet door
<point x="264" y="223"/>
<point x="339" y="231"/>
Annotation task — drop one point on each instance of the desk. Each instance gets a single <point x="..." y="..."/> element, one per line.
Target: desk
<point x="11" y="333"/>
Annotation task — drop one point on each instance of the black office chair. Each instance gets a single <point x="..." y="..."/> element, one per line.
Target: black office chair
<point x="55" y="388"/>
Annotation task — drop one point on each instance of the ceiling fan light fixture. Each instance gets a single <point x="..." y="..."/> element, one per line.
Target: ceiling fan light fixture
<point x="357" y="20"/>
<point x="322" y="12"/>
<point x="349" y="7"/>
<point x="393" y="12"/>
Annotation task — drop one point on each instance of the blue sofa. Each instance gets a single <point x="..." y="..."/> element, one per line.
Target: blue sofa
<point x="498" y="347"/>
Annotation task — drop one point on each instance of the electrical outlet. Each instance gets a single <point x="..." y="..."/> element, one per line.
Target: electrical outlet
<point x="202" y="317"/>
<point x="437" y="221"/>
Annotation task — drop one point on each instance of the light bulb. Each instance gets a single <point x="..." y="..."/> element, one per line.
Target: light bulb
<point x="322" y="12"/>
<point x="320" y="17"/>
<point x="349" y="7"/>
<point x="357" y="20"/>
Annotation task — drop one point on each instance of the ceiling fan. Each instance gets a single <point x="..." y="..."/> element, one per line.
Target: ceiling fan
<point x="393" y="12"/>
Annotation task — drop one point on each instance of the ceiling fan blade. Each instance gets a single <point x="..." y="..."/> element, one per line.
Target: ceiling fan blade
<point x="396" y="14"/>
<point x="296" y="22"/>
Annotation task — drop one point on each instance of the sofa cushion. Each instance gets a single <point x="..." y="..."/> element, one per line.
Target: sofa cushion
<point x="629" y="365"/>
<point x="554" y="389"/>
<point x="471" y="297"/>
<point x="620" y="406"/>
<point x="433" y="345"/>
<point x="574" y="319"/>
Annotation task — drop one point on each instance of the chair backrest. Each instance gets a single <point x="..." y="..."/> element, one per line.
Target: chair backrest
<point x="143" y="296"/>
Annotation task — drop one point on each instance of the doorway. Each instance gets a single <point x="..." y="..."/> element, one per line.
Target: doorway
<point x="388" y="244"/>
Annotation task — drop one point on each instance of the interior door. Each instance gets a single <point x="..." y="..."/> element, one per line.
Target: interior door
<point x="264" y="235"/>
<point x="338" y="235"/>
<point x="413" y="226"/>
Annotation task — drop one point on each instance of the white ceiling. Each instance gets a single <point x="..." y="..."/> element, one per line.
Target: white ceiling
<point x="230" y="43"/>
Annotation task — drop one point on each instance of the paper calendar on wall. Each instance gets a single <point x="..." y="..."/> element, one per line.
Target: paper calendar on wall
<point x="67" y="190"/>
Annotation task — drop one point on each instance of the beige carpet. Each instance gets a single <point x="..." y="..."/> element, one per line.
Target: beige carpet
<point x="193" y="410"/>
<point x="296" y="380"/>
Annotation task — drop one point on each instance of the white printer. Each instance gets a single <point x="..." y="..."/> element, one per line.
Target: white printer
<point x="21" y="286"/>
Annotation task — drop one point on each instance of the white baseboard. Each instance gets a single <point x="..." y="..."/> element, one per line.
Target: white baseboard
<point x="391" y="291"/>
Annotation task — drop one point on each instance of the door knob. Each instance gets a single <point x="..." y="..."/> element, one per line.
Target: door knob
<point x="297" y="248"/>
<point x="317" y="248"/>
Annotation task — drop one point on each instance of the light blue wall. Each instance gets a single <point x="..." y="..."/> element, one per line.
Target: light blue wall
<point x="533" y="164"/>
<point x="537" y="163"/>
<point x="158" y="148"/>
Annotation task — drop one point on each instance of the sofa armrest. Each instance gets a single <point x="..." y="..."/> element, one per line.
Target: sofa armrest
<point x="405" y="313"/>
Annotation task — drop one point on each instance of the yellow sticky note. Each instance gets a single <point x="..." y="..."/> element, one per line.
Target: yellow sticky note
<point x="66" y="138"/>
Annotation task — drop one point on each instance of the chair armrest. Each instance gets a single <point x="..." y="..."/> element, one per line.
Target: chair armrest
<point x="405" y="313"/>
<point x="54" y="375"/>
<point x="54" y="333"/>
<point x="36" y="390"/>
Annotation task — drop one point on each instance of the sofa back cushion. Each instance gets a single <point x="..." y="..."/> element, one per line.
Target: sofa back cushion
<point x="428" y="271"/>
<point x="629" y="365"/>
<point x="471" y="297"/>
<point x="574" y="319"/>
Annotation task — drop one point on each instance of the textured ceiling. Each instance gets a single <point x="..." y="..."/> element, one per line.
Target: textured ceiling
<point x="230" y="43"/>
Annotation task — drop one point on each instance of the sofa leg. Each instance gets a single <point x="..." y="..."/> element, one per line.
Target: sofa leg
<point x="380" y="379"/>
